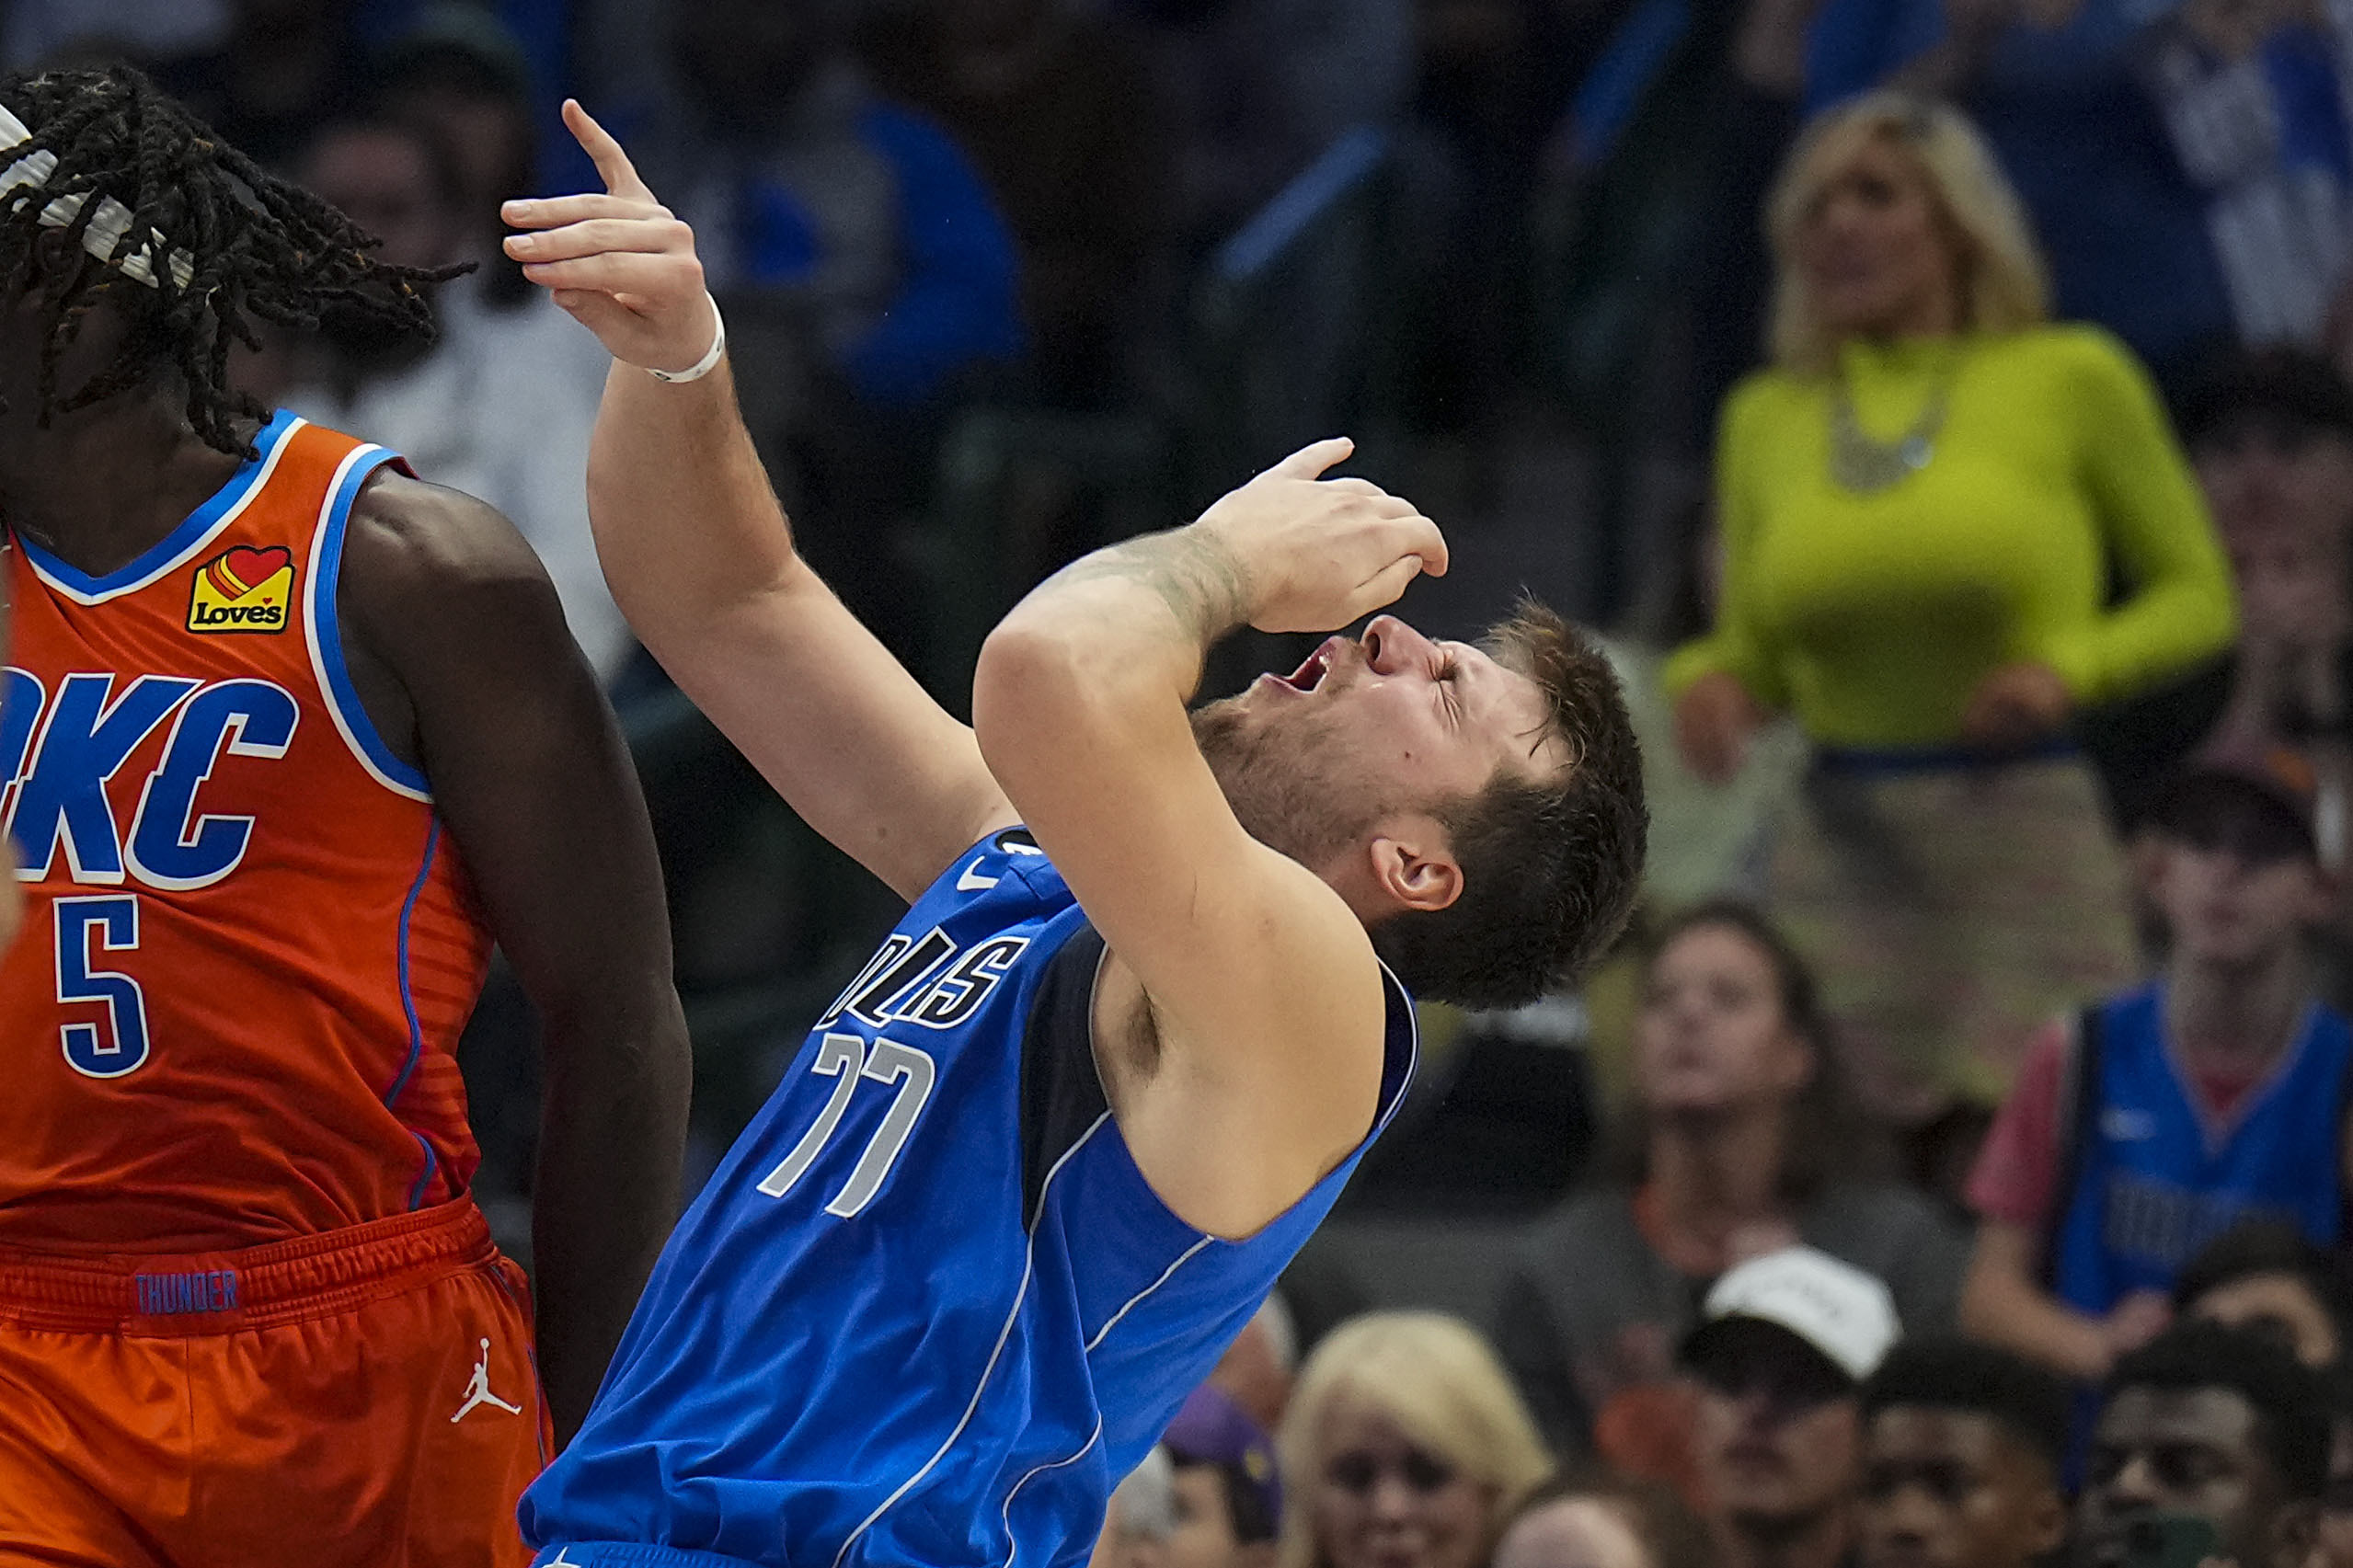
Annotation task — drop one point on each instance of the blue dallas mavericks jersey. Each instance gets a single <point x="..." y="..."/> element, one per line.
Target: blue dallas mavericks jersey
<point x="927" y="1311"/>
<point x="2154" y="1181"/>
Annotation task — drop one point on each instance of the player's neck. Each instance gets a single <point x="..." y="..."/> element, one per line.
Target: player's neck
<point x="2241" y="1013"/>
<point x="103" y="485"/>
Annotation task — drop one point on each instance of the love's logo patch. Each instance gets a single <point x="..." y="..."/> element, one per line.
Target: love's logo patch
<point x="243" y="590"/>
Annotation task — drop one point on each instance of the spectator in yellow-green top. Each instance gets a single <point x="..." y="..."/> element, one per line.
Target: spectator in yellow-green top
<point x="1947" y="525"/>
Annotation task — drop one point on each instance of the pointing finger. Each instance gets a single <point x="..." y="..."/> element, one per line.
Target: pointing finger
<point x="1310" y="460"/>
<point x="613" y="165"/>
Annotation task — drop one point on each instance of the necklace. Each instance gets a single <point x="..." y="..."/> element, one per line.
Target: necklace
<point x="1865" y="464"/>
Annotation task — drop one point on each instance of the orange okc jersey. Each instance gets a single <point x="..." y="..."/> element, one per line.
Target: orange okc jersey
<point x="248" y="944"/>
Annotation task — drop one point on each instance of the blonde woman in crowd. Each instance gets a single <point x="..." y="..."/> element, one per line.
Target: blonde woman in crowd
<point x="1924" y="505"/>
<point x="1405" y="1446"/>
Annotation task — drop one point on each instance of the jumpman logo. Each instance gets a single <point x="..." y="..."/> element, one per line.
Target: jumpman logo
<point x="478" y="1392"/>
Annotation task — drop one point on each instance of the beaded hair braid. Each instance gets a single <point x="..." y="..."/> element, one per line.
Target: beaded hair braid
<point x="261" y="249"/>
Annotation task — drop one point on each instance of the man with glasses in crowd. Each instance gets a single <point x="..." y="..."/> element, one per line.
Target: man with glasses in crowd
<point x="1786" y="1341"/>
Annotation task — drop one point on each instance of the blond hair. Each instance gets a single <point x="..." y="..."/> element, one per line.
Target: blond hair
<point x="2004" y="285"/>
<point x="1436" y="1379"/>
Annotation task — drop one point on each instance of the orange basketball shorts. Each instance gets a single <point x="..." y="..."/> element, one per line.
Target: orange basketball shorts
<point x="364" y="1397"/>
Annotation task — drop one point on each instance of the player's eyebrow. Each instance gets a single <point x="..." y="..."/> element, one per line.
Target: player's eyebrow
<point x="1488" y="692"/>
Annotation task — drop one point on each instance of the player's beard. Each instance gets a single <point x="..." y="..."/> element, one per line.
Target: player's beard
<point x="1286" y="780"/>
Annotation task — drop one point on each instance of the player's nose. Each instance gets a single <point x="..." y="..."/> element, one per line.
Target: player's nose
<point x="1390" y="646"/>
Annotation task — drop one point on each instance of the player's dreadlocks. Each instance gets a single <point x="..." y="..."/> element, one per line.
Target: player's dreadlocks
<point x="255" y="247"/>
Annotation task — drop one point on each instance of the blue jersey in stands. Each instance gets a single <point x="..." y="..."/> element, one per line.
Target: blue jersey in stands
<point x="2157" y="1177"/>
<point x="927" y="1311"/>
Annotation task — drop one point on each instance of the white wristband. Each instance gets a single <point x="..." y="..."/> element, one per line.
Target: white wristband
<point x="702" y="366"/>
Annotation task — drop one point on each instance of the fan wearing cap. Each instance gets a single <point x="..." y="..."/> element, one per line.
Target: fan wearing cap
<point x="1228" y="1497"/>
<point x="2161" y="1117"/>
<point x="1786" y="1340"/>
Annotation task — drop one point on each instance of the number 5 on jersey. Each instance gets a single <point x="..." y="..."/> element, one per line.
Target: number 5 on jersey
<point x="847" y="1058"/>
<point x="85" y="927"/>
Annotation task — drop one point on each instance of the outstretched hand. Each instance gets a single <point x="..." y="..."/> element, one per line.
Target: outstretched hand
<point x="622" y="264"/>
<point x="1319" y="553"/>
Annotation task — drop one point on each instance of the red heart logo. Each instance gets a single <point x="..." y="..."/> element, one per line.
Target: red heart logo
<point x="246" y="568"/>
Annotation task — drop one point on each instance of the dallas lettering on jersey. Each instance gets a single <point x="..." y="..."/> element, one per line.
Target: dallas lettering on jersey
<point x="890" y="987"/>
<point x="58" y="751"/>
<point x="2148" y="1220"/>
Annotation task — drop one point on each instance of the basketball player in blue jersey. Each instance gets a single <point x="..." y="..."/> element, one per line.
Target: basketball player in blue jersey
<point x="1044" y="1157"/>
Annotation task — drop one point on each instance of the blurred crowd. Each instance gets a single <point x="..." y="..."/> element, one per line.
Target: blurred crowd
<point x="1816" y="1431"/>
<point x="1943" y="407"/>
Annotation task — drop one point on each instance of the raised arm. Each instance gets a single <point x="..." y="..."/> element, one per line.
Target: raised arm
<point x="459" y="642"/>
<point x="701" y="559"/>
<point x="1264" y="999"/>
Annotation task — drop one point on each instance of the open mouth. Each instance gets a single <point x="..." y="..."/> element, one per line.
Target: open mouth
<point x="1310" y="675"/>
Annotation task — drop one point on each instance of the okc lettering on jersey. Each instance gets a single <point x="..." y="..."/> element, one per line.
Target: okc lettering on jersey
<point x="58" y="751"/>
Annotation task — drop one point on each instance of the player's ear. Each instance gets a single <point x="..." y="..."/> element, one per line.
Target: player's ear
<point x="1413" y="863"/>
<point x="56" y="257"/>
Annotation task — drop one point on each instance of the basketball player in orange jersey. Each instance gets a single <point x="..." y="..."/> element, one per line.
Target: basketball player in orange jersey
<point x="289" y="737"/>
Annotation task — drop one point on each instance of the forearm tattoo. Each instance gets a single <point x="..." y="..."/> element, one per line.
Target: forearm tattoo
<point x="1192" y="572"/>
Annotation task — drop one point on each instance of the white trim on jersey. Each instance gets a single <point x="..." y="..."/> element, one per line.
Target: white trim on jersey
<point x="1029" y="1270"/>
<point x="318" y="585"/>
<point x="189" y="548"/>
<point x="1013" y="1542"/>
<point x="1165" y="1274"/>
